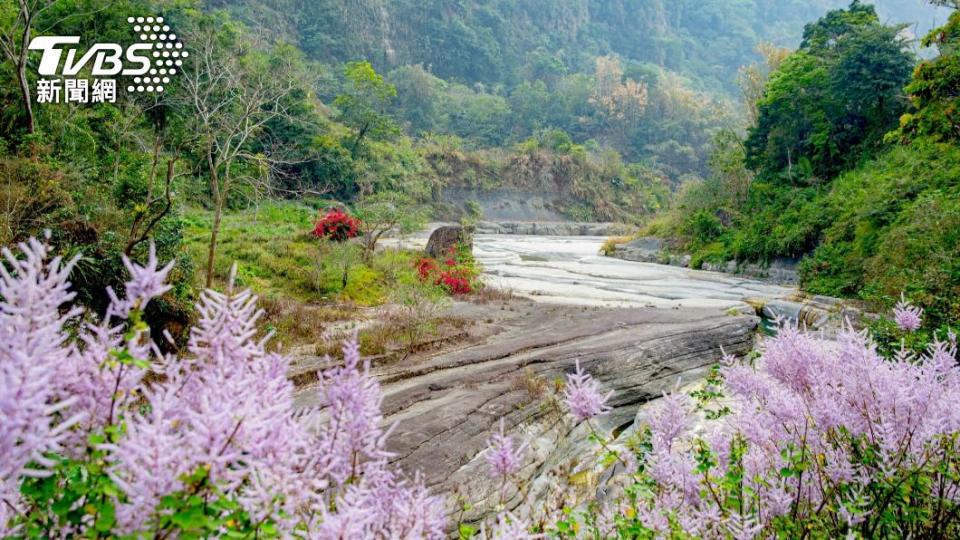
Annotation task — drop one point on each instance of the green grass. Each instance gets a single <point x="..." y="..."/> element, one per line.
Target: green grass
<point x="272" y="246"/>
<point x="277" y="256"/>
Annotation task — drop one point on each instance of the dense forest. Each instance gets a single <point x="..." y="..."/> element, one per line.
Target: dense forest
<point x="849" y="164"/>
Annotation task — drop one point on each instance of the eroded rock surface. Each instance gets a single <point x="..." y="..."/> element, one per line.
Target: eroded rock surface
<point x="652" y="250"/>
<point x="446" y="405"/>
<point x="552" y="228"/>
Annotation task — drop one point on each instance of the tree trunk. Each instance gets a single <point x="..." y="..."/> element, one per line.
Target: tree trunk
<point x="217" y="215"/>
<point x="212" y="250"/>
<point x="21" y="65"/>
<point x="359" y="139"/>
<point x="25" y="93"/>
<point x="134" y="240"/>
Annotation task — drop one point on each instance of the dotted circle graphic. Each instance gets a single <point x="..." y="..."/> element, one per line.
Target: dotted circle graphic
<point x="167" y="52"/>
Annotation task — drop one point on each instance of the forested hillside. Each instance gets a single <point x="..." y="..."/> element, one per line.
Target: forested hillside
<point x="603" y="107"/>
<point x="652" y="80"/>
<point x="507" y="42"/>
<point x="850" y="165"/>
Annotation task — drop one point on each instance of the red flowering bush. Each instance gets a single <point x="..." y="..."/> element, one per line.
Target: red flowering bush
<point x="426" y="267"/>
<point x="455" y="275"/>
<point x="337" y="225"/>
<point x="455" y="281"/>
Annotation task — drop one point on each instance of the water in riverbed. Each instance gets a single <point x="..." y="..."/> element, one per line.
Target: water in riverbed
<point x="568" y="269"/>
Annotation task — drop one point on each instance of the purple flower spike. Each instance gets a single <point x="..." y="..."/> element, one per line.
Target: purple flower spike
<point x="503" y="458"/>
<point x="227" y="406"/>
<point x="583" y="396"/>
<point x="907" y="316"/>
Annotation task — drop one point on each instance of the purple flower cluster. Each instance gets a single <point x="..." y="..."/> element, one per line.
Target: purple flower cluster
<point x="225" y="407"/>
<point x="907" y="316"/>
<point x="510" y="527"/>
<point x="813" y="399"/>
<point x="583" y="397"/>
<point x="33" y="414"/>
<point x="504" y="460"/>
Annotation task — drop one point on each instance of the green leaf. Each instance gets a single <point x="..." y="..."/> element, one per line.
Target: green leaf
<point x="190" y="518"/>
<point x="107" y="518"/>
<point x="466" y="531"/>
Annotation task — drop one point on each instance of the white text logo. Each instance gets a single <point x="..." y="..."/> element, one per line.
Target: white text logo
<point x="148" y="64"/>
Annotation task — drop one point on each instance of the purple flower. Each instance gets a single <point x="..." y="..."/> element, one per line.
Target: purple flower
<point x="227" y="406"/>
<point x="150" y="459"/>
<point x="146" y="282"/>
<point x="583" y="396"/>
<point x="824" y="398"/>
<point x="352" y="436"/>
<point x="907" y="316"/>
<point x="670" y="418"/>
<point x="504" y="460"/>
<point x="32" y="347"/>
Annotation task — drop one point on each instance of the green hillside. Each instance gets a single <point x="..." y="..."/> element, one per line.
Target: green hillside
<point x="851" y="166"/>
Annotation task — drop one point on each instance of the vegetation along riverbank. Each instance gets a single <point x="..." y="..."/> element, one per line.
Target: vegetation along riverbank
<point x="223" y="313"/>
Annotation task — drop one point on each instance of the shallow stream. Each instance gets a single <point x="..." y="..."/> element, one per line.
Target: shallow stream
<point x="569" y="269"/>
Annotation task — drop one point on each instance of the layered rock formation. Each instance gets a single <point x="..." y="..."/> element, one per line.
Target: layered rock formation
<point x="447" y="405"/>
<point x="653" y="250"/>
<point x="552" y="228"/>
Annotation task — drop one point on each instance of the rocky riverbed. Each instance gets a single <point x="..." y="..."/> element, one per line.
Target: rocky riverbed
<point x="447" y="404"/>
<point x="639" y="328"/>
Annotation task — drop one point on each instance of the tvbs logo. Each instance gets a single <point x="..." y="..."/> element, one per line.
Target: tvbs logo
<point x="147" y="65"/>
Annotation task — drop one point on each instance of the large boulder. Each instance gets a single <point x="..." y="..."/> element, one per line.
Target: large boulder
<point x="444" y="238"/>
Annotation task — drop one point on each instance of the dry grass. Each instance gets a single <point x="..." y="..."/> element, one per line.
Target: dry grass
<point x="610" y="245"/>
<point x="532" y="383"/>
<point x="295" y="322"/>
<point x="488" y="294"/>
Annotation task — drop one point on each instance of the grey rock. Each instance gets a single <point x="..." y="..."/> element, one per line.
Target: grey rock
<point x="446" y="406"/>
<point x="552" y="228"/>
<point x="815" y="312"/>
<point x="442" y="239"/>
<point x="652" y="250"/>
<point x="508" y="204"/>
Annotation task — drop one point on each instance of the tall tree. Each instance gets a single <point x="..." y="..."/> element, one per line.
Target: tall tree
<point x="753" y="78"/>
<point x="231" y="93"/>
<point x="16" y="29"/>
<point x="841" y="91"/>
<point x="935" y="88"/>
<point x="363" y="104"/>
<point x="620" y="102"/>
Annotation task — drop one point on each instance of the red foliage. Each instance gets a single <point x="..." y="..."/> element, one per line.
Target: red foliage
<point x="454" y="282"/>
<point x="453" y="278"/>
<point x="451" y="257"/>
<point x="426" y="267"/>
<point x="337" y="225"/>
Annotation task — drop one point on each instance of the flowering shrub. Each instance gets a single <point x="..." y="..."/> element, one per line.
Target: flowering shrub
<point x="337" y="225"/>
<point x="100" y="435"/>
<point x="455" y="275"/>
<point x="456" y="281"/>
<point x="583" y="397"/>
<point x="502" y="457"/>
<point x="909" y="318"/>
<point x="823" y="439"/>
<point x="426" y="268"/>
